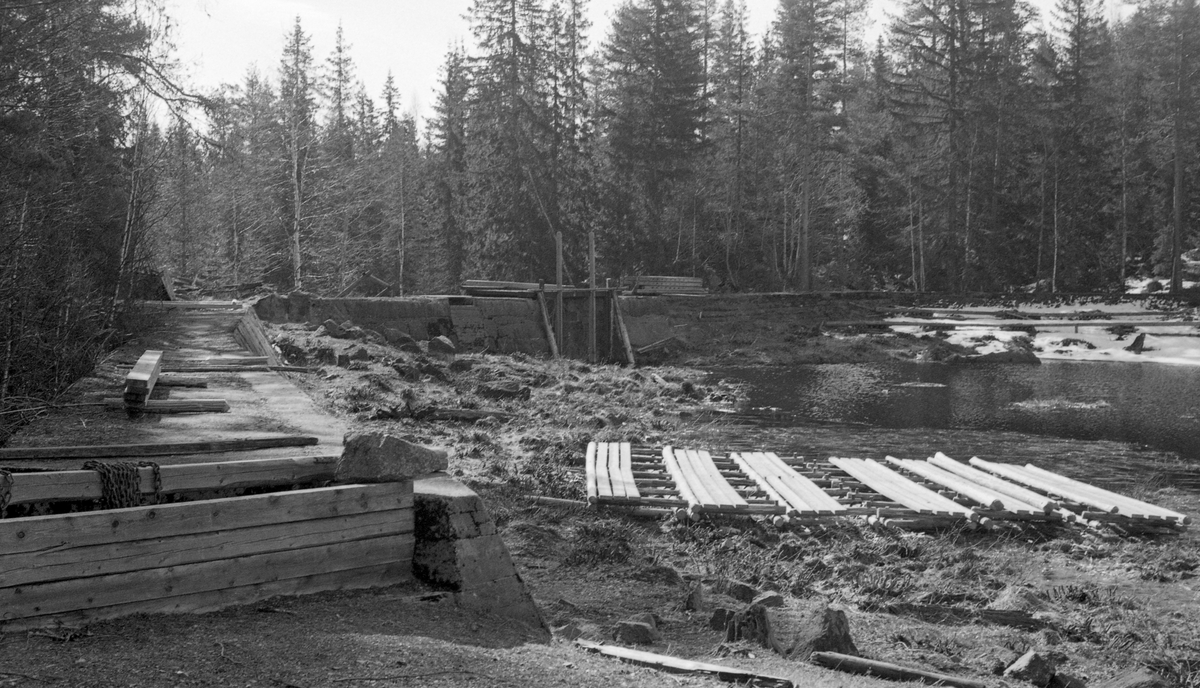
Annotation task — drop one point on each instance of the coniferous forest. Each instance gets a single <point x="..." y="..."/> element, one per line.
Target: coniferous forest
<point x="967" y="149"/>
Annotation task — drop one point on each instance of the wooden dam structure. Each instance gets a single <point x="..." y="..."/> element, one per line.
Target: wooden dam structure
<point x="938" y="492"/>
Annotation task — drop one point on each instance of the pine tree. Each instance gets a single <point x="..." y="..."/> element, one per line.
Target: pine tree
<point x="297" y="101"/>
<point x="653" y="112"/>
<point x="447" y="190"/>
<point x="733" y="83"/>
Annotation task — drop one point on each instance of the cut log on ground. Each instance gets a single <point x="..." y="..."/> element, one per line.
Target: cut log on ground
<point x="936" y="613"/>
<point x="676" y="665"/>
<point x="859" y="665"/>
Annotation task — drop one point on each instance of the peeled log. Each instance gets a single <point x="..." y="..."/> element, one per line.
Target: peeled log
<point x="858" y="665"/>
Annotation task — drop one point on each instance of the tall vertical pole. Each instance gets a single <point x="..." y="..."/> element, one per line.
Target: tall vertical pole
<point x="558" y="302"/>
<point x="592" y="297"/>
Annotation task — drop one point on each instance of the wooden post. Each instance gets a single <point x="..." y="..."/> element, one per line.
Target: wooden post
<point x="620" y="318"/>
<point x="550" y="334"/>
<point x="558" y="316"/>
<point x="592" y="297"/>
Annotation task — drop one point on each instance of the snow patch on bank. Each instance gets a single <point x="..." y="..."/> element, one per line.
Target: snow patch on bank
<point x="1088" y="341"/>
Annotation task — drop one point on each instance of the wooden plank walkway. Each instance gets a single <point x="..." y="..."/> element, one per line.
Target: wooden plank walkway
<point x="936" y="493"/>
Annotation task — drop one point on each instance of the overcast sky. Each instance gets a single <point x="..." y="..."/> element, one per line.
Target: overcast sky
<point x="217" y="40"/>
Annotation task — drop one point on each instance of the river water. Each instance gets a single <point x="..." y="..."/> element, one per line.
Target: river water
<point x="1112" y="423"/>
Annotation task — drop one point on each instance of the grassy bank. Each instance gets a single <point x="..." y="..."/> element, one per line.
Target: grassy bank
<point x="1099" y="603"/>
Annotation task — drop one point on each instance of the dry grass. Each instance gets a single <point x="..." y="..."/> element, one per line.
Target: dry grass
<point x="1107" y="602"/>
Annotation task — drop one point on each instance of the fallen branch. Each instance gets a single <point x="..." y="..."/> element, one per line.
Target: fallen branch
<point x="859" y="665"/>
<point x="555" y="501"/>
<point x="935" y="613"/>
<point x="683" y="666"/>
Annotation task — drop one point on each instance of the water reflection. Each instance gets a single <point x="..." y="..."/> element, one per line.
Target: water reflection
<point x="1113" y="419"/>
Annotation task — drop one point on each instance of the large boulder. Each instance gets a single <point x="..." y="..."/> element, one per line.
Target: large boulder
<point x="442" y="345"/>
<point x="379" y="457"/>
<point x="795" y="633"/>
<point x="398" y="337"/>
<point x="636" y="633"/>
<point x="1034" y="667"/>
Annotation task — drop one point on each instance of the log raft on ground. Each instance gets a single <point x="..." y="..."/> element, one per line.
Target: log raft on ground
<point x="909" y="494"/>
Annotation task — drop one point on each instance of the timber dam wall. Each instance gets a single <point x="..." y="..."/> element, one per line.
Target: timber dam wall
<point x="515" y="324"/>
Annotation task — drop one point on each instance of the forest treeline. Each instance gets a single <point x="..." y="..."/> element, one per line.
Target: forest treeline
<point x="973" y="147"/>
<point x="969" y="149"/>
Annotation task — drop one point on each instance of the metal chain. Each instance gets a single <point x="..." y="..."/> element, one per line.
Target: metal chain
<point x="119" y="483"/>
<point x="157" y="499"/>
<point x="6" y="482"/>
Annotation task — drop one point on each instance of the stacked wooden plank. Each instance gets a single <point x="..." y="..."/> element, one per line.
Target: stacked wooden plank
<point x="610" y="467"/>
<point x="142" y="377"/>
<point x="934" y="493"/>
<point x="619" y="474"/>
<point x="708" y="489"/>
<point x="662" y="284"/>
<point x="799" y="494"/>
<point x="500" y="288"/>
<point x="74" y="569"/>
<point x="140" y="380"/>
<point x="892" y="485"/>
<point x="1099" y="505"/>
<point x="984" y="497"/>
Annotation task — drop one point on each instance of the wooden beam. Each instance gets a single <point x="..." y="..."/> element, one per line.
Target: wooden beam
<point x="209" y="601"/>
<point x="628" y="346"/>
<point x="1128" y="505"/>
<point x="71" y="486"/>
<point x="116" y="451"/>
<point x="172" y="381"/>
<point x="173" y="405"/>
<point x="976" y="493"/>
<point x="1019" y="474"/>
<point x="139" y="381"/>
<point x="551" y="339"/>
<point x="1016" y="492"/>
<point x="593" y="490"/>
<point x="250" y="334"/>
<point x="186" y="368"/>
<point x="57" y="597"/>
<point x="43" y="534"/>
<point x="124" y="556"/>
<point x="194" y="305"/>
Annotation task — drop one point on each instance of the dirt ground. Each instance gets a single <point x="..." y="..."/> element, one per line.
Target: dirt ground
<point x="1103" y="602"/>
